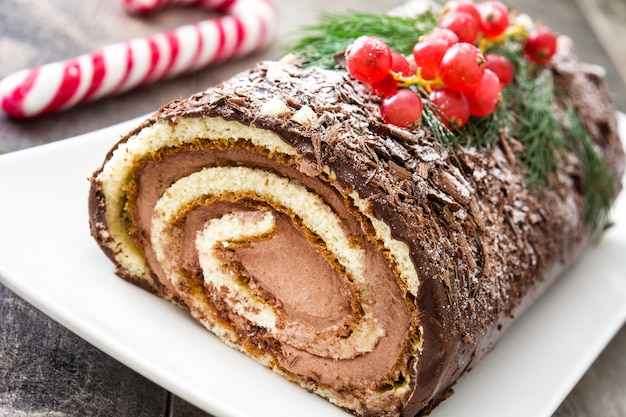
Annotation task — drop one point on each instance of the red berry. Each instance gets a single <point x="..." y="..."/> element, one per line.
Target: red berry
<point x="428" y="55"/>
<point x="446" y="35"/>
<point x="403" y="109"/>
<point x="501" y="66"/>
<point x="400" y="65"/>
<point x="486" y="97"/>
<point x="494" y="18"/>
<point x="462" y="67"/>
<point x="466" y="6"/>
<point x="540" y="45"/>
<point x="465" y="25"/>
<point x="368" y="59"/>
<point x="452" y="107"/>
<point x="388" y="86"/>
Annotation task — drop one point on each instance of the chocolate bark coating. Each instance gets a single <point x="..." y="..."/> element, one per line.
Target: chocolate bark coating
<point x="483" y="242"/>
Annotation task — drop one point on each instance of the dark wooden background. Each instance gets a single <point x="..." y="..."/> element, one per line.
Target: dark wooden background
<point x="45" y="370"/>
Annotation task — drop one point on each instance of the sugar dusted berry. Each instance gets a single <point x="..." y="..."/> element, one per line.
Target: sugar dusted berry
<point x="540" y="45"/>
<point x="446" y="35"/>
<point x="501" y="66"/>
<point x="427" y="55"/>
<point x="494" y="18"/>
<point x="399" y="64"/>
<point x="452" y="107"/>
<point x="463" y="24"/>
<point x="462" y="67"/>
<point x="403" y="109"/>
<point x="388" y="86"/>
<point x="456" y="6"/>
<point x="484" y="99"/>
<point x="368" y="59"/>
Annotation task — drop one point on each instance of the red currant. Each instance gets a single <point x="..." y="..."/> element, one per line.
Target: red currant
<point x="368" y="59"/>
<point x="466" y="6"/>
<point x="501" y="66"/>
<point x="462" y="67"/>
<point x="428" y="55"/>
<point x="388" y="86"/>
<point x="449" y="37"/>
<point x="494" y="18"/>
<point x="484" y="99"/>
<point x="403" y="109"/>
<point x="400" y="65"/>
<point x="452" y="107"/>
<point x="540" y="45"/>
<point x="465" y="25"/>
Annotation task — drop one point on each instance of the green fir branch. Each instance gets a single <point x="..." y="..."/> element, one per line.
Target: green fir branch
<point x="535" y="123"/>
<point x="335" y="32"/>
<point x="432" y="122"/>
<point x="483" y="132"/>
<point x="597" y="179"/>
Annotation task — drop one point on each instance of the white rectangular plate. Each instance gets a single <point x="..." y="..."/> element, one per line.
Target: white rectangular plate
<point x="48" y="257"/>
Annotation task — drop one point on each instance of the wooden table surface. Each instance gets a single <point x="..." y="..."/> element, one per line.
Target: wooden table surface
<point x="47" y="371"/>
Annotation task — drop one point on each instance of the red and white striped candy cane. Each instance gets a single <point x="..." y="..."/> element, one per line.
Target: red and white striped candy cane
<point x="149" y="6"/>
<point x="247" y="26"/>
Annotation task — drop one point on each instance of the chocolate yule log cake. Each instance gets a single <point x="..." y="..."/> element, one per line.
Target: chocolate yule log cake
<point x="371" y="251"/>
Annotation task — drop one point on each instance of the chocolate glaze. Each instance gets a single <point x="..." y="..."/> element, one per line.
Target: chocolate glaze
<point x="484" y="244"/>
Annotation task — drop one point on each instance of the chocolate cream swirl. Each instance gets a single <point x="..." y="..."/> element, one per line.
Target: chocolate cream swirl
<point x="364" y="262"/>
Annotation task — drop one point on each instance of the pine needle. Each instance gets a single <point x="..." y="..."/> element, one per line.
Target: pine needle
<point x="535" y="123"/>
<point x="598" y="181"/>
<point x="483" y="132"/>
<point x="335" y="32"/>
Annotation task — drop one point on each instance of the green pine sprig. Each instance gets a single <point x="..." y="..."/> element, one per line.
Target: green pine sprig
<point x="535" y="123"/>
<point x="597" y="179"/>
<point x="334" y="32"/>
<point x="483" y="132"/>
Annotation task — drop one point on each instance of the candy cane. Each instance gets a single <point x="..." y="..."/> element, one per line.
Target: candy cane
<point x="247" y="26"/>
<point x="149" y="6"/>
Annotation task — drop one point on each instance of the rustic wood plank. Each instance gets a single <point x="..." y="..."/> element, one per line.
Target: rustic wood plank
<point x="181" y="408"/>
<point x="45" y="370"/>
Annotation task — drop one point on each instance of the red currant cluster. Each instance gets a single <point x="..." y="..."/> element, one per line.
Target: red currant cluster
<point x="450" y="64"/>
